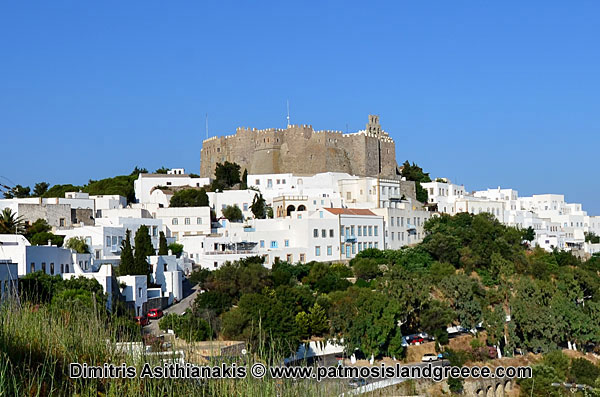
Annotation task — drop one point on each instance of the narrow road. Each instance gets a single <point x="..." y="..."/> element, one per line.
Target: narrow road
<point x="180" y="307"/>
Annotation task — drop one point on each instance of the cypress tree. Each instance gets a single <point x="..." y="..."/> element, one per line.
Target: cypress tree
<point x="127" y="261"/>
<point x="143" y="248"/>
<point x="162" y="245"/>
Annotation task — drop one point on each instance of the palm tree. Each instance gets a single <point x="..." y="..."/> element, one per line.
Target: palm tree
<point x="10" y="223"/>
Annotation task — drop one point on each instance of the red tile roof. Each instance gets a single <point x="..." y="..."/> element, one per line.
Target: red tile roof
<point x="350" y="211"/>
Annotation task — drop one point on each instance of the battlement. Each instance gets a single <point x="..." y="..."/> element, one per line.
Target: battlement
<point x="302" y="150"/>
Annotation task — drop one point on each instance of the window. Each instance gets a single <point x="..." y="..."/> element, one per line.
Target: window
<point x="317" y="251"/>
<point x="352" y="230"/>
<point x="289" y="258"/>
<point x="315" y="232"/>
<point x="286" y="243"/>
<point x="370" y="245"/>
<point x="67" y="268"/>
<point x="187" y="221"/>
<point x="269" y="182"/>
<point x="174" y="221"/>
<point x="360" y="231"/>
<point x="44" y="267"/>
<point x="391" y="221"/>
<point x="392" y="236"/>
<point x="273" y="244"/>
<point x="302" y="258"/>
<point x="32" y="267"/>
<point x="323" y="233"/>
<point x="61" y="222"/>
<point x="329" y="250"/>
<point x="283" y="180"/>
<point x="257" y="182"/>
<point x="52" y="268"/>
<point x="108" y="241"/>
<point x="353" y="248"/>
<point x="278" y="181"/>
<point x="330" y="232"/>
<point x="140" y="292"/>
<point x="245" y="206"/>
<point x="168" y="183"/>
<point x="347" y="250"/>
<point x="359" y="247"/>
<point x="375" y="230"/>
<point x="62" y="267"/>
<point x="262" y="243"/>
<point x="320" y="214"/>
<point x="370" y="230"/>
<point x="376" y="244"/>
<point x="198" y="221"/>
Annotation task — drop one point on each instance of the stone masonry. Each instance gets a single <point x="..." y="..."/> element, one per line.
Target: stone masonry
<point x="299" y="149"/>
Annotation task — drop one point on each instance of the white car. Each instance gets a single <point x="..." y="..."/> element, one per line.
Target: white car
<point x="429" y="357"/>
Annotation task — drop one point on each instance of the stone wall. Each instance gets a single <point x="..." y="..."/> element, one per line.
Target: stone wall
<point x="299" y="149"/>
<point x="57" y="215"/>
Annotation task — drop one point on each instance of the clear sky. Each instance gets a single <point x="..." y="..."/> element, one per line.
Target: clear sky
<point x="486" y="93"/>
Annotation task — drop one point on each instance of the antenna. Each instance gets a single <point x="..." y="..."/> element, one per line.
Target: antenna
<point x="206" y="125"/>
<point x="288" y="112"/>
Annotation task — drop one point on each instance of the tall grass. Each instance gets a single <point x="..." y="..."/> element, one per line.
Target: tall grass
<point x="37" y="343"/>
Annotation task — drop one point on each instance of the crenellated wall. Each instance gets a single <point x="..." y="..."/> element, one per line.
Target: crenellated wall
<point x="301" y="150"/>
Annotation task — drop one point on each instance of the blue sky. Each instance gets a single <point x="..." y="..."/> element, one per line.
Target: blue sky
<point x="487" y="94"/>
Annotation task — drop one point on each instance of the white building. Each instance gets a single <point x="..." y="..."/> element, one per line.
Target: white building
<point x="9" y="280"/>
<point x="104" y="276"/>
<point x="242" y="198"/>
<point x="146" y="183"/>
<point x="403" y="225"/>
<point x="135" y="291"/>
<point x="184" y="221"/>
<point x="169" y="275"/>
<point x="50" y="259"/>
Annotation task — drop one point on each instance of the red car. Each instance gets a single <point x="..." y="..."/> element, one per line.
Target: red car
<point x="155" y="313"/>
<point x="141" y="320"/>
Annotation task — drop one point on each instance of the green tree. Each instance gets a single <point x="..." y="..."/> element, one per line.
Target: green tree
<point x="176" y="249"/>
<point x="40" y="188"/>
<point x="39" y="226"/>
<point x="17" y="192"/>
<point x="318" y="321"/>
<point x="415" y="173"/>
<point x="259" y="207"/>
<point x="435" y="319"/>
<point x="365" y="268"/>
<point x="233" y="213"/>
<point x="529" y="234"/>
<point x="244" y="184"/>
<point x="78" y="244"/>
<point x="189" y="198"/>
<point x="127" y="267"/>
<point x="162" y="244"/>
<point x="162" y="170"/>
<point x="42" y="238"/>
<point x="10" y="223"/>
<point x="366" y="320"/>
<point x="227" y="174"/>
<point x="216" y="301"/>
<point x="143" y="248"/>
<point x="583" y="371"/>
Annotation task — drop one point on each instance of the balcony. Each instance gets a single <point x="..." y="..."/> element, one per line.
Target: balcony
<point x="349" y="239"/>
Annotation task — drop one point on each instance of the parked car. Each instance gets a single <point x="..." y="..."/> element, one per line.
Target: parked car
<point x="416" y="340"/>
<point x="358" y="382"/>
<point x="155" y="313"/>
<point x="429" y="357"/>
<point x="141" y="320"/>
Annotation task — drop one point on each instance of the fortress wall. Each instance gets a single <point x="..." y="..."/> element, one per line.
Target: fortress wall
<point x="300" y="149"/>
